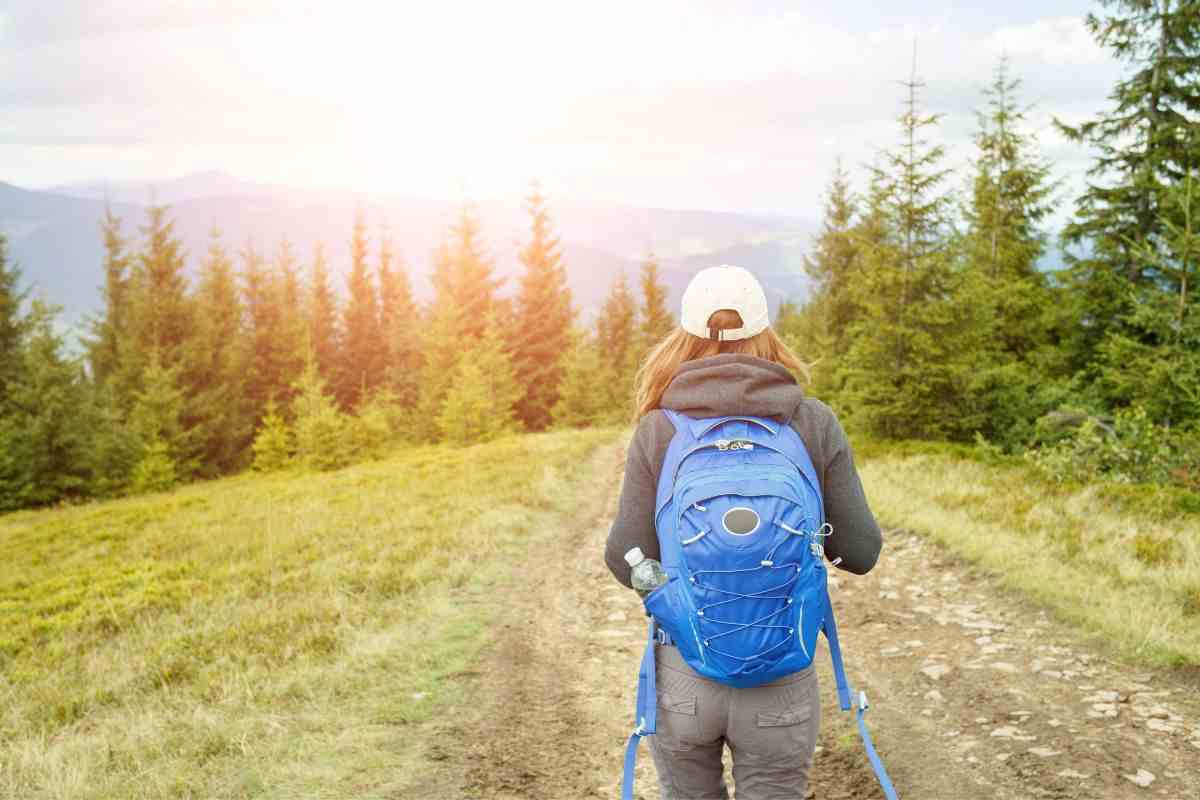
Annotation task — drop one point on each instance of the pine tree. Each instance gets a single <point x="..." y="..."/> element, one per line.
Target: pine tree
<point x="471" y="280"/>
<point x="156" y="471"/>
<point x="1153" y="360"/>
<point x="114" y="447"/>
<point x="320" y="427"/>
<point x="1003" y="295"/>
<point x="110" y="328"/>
<point x="293" y="328"/>
<point x="543" y="321"/>
<point x="441" y="343"/>
<point x="265" y="372"/>
<point x="323" y="317"/>
<point x="159" y="340"/>
<point x="162" y="313"/>
<point x="617" y="341"/>
<point x="585" y="396"/>
<point x="11" y="322"/>
<point x="273" y="446"/>
<point x="157" y="417"/>
<point x="481" y="401"/>
<point x="904" y="368"/>
<point x="464" y="302"/>
<point x="364" y="352"/>
<point x="832" y="261"/>
<point x="401" y="325"/>
<point x="1146" y="143"/>
<point x="657" y="321"/>
<point x="45" y="431"/>
<point x="219" y="414"/>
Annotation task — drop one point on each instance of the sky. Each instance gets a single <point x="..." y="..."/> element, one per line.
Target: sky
<point x="715" y="104"/>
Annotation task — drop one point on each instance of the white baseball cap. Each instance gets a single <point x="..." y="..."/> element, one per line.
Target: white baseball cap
<point x="719" y="288"/>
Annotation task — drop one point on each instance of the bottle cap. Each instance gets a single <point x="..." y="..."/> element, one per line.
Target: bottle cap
<point x="634" y="556"/>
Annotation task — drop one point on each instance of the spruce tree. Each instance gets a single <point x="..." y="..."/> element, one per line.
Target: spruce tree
<point x="157" y="417"/>
<point x="585" y="395"/>
<point x="470" y="276"/>
<point x="163" y="313"/>
<point x="265" y="373"/>
<point x="1003" y="296"/>
<point x="45" y="431"/>
<point x="904" y="370"/>
<point x="543" y="319"/>
<point x="114" y="447"/>
<point x="821" y="330"/>
<point x="401" y="325"/>
<point x="1146" y="142"/>
<point x="1153" y="360"/>
<point x="109" y="329"/>
<point x="320" y="428"/>
<point x="656" y="320"/>
<point x="322" y="315"/>
<point x="11" y="322"/>
<point x="293" y="328"/>
<point x="441" y="343"/>
<point x="831" y="263"/>
<point x="480" y="403"/>
<point x="363" y="357"/>
<point x="273" y="445"/>
<point x="159" y="340"/>
<point x="618" y="343"/>
<point x="220" y="413"/>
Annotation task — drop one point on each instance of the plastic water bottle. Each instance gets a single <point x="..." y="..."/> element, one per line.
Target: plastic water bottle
<point x="647" y="574"/>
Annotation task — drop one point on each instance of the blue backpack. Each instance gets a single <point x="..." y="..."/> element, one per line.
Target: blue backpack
<point x="740" y="523"/>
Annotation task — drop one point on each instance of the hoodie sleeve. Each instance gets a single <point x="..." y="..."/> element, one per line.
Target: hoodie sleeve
<point x="634" y="523"/>
<point x="856" y="536"/>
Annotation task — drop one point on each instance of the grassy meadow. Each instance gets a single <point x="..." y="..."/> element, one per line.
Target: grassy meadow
<point x="263" y="636"/>
<point x="1122" y="562"/>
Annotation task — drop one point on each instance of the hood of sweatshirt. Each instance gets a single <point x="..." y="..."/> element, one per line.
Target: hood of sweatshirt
<point x="732" y="383"/>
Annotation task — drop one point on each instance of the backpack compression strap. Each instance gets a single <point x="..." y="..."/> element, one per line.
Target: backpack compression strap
<point x="647" y="712"/>
<point x="843" y="692"/>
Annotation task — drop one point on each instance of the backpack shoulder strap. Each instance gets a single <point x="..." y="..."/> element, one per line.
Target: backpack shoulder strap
<point x="683" y="441"/>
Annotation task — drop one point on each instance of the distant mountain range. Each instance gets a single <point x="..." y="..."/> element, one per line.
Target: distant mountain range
<point x="54" y="235"/>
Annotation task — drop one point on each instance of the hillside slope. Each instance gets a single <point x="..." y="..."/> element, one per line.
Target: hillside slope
<point x="263" y="636"/>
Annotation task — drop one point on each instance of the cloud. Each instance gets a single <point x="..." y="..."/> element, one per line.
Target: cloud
<point x="661" y="103"/>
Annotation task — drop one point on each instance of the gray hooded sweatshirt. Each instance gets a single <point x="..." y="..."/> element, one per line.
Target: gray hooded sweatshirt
<point x="726" y="385"/>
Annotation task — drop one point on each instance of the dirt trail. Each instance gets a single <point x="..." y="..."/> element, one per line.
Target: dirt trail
<point x="976" y="693"/>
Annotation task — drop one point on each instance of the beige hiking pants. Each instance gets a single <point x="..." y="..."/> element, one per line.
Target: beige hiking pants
<point x="771" y="731"/>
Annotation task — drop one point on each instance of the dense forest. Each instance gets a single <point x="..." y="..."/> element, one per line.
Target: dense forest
<point x="930" y="318"/>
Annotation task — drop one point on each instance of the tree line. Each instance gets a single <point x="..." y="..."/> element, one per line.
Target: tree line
<point x="262" y="363"/>
<point x="932" y="319"/>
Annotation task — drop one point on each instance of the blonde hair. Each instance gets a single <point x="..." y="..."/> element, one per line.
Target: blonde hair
<point x="665" y="359"/>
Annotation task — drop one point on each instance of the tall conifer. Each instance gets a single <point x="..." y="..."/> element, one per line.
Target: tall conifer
<point x="401" y="325"/>
<point x="544" y="314"/>
<point x="903" y="369"/>
<point x="363" y="354"/>
<point x="619" y="345"/>
<point x="12" y="296"/>
<point x="1146" y="142"/>
<point x="109" y="329"/>
<point x="656" y="320"/>
<point x="218" y="381"/>
<point x="322" y="315"/>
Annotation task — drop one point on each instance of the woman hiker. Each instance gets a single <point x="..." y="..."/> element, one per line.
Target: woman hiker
<point x="725" y="360"/>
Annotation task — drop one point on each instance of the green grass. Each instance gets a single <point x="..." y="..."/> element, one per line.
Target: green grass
<point x="1122" y="562"/>
<point x="262" y="636"/>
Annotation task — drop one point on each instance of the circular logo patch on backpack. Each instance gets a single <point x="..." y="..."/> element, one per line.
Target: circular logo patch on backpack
<point x="740" y="521"/>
